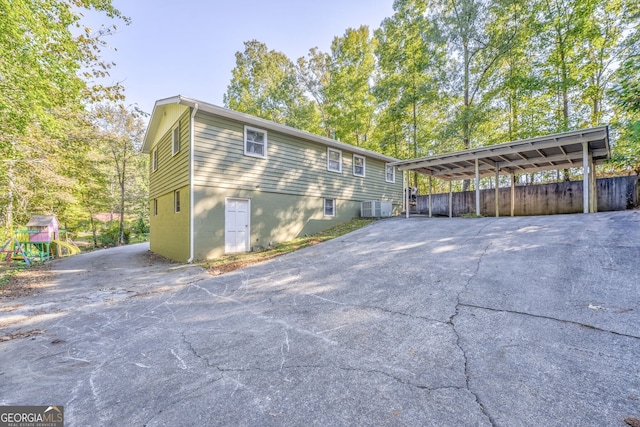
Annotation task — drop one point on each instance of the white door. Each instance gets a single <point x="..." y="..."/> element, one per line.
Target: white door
<point x="236" y="222"/>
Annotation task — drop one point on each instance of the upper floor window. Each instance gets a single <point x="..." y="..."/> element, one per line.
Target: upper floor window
<point x="255" y="142"/>
<point x="334" y="160"/>
<point x="154" y="160"/>
<point x="175" y="140"/>
<point x="390" y="173"/>
<point x="358" y="165"/>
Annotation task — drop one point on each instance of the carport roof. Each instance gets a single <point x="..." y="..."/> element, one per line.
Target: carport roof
<point x="558" y="151"/>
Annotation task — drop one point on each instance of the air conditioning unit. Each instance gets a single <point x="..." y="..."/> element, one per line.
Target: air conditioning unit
<point x="375" y="209"/>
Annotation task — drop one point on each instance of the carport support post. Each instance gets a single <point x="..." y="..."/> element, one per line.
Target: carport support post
<point x="406" y="193"/>
<point x="477" y="188"/>
<point x="497" y="190"/>
<point x="594" y="189"/>
<point x="585" y="177"/>
<point x="430" y="191"/>
<point x="450" y="199"/>
<point x="513" y="194"/>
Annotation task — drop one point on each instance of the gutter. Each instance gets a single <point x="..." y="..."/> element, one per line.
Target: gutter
<point x="191" y="191"/>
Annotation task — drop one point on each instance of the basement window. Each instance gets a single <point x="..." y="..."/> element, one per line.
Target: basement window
<point x="329" y="207"/>
<point x="155" y="207"/>
<point x="255" y="142"/>
<point x="176" y="201"/>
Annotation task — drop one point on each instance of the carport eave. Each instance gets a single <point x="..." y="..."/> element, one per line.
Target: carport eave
<point x="567" y="154"/>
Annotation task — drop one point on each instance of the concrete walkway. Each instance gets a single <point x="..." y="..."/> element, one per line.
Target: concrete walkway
<point x="433" y="322"/>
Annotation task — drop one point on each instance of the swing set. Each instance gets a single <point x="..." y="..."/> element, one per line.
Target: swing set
<point x="41" y="241"/>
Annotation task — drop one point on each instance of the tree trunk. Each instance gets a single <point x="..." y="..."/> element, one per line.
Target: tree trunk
<point x="466" y="126"/>
<point x="10" y="200"/>
<point x="121" y="178"/>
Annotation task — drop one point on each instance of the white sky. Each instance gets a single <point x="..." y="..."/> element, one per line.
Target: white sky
<point x="188" y="47"/>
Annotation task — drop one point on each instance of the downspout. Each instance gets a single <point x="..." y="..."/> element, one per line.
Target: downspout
<point x="191" y="185"/>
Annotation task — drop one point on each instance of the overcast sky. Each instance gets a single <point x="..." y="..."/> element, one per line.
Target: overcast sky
<point x="188" y="47"/>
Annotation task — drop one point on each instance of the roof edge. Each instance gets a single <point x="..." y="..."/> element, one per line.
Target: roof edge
<point x="255" y="121"/>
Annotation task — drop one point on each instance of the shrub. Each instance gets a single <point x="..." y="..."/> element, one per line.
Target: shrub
<point x="109" y="235"/>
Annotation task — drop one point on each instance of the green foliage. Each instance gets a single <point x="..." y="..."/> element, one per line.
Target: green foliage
<point x="264" y="84"/>
<point x="110" y="235"/>
<point x="48" y="61"/>
<point x="350" y="100"/>
<point x="140" y="226"/>
<point x="626" y="153"/>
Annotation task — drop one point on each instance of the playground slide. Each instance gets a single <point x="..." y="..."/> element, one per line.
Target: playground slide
<point x="71" y="248"/>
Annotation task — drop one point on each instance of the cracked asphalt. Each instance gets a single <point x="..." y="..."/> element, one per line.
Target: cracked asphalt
<point x="526" y="321"/>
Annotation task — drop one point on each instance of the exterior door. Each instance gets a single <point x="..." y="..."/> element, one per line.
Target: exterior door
<point x="237" y="216"/>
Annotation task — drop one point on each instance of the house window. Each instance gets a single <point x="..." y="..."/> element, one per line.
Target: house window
<point x="255" y="142"/>
<point x="176" y="201"/>
<point x="154" y="160"/>
<point x="175" y="140"/>
<point x="390" y="173"/>
<point x="358" y="165"/>
<point x="155" y="207"/>
<point x="329" y="207"/>
<point x="334" y="160"/>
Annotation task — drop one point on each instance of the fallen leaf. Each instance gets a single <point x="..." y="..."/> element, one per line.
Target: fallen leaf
<point x="632" y="421"/>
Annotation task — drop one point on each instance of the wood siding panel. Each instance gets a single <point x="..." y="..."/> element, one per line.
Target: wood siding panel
<point x="293" y="166"/>
<point x="173" y="170"/>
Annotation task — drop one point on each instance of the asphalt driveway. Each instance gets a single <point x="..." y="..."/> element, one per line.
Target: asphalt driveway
<point x="527" y="321"/>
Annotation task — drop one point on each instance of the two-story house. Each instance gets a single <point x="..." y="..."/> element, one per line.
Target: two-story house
<point x="223" y="181"/>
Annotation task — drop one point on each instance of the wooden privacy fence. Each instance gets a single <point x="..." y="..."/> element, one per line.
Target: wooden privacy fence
<point x="614" y="194"/>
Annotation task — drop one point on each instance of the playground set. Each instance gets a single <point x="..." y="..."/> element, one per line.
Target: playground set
<point x="41" y="241"/>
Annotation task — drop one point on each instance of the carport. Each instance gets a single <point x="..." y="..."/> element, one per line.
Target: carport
<point x="581" y="148"/>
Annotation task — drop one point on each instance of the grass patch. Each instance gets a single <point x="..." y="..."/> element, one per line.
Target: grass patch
<point x="232" y="262"/>
<point x="471" y="215"/>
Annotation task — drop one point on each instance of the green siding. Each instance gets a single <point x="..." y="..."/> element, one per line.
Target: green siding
<point x="293" y="166"/>
<point x="287" y="189"/>
<point x="169" y="234"/>
<point x="274" y="217"/>
<point x="173" y="170"/>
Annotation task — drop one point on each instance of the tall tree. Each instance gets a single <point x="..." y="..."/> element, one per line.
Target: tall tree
<point x="351" y="103"/>
<point x="410" y="54"/>
<point x="474" y="50"/>
<point x="121" y="131"/>
<point x="314" y="75"/>
<point x="42" y="92"/>
<point x="265" y="84"/>
<point x="564" y="25"/>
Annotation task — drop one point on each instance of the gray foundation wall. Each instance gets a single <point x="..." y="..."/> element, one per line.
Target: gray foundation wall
<point x="614" y="194"/>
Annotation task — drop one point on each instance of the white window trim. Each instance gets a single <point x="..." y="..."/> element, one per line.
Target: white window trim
<point x="174" y="130"/>
<point x="248" y="153"/>
<point x="329" y="150"/>
<point x="177" y="202"/>
<point x="386" y="177"/>
<point x="324" y="207"/>
<point x="364" y="165"/>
